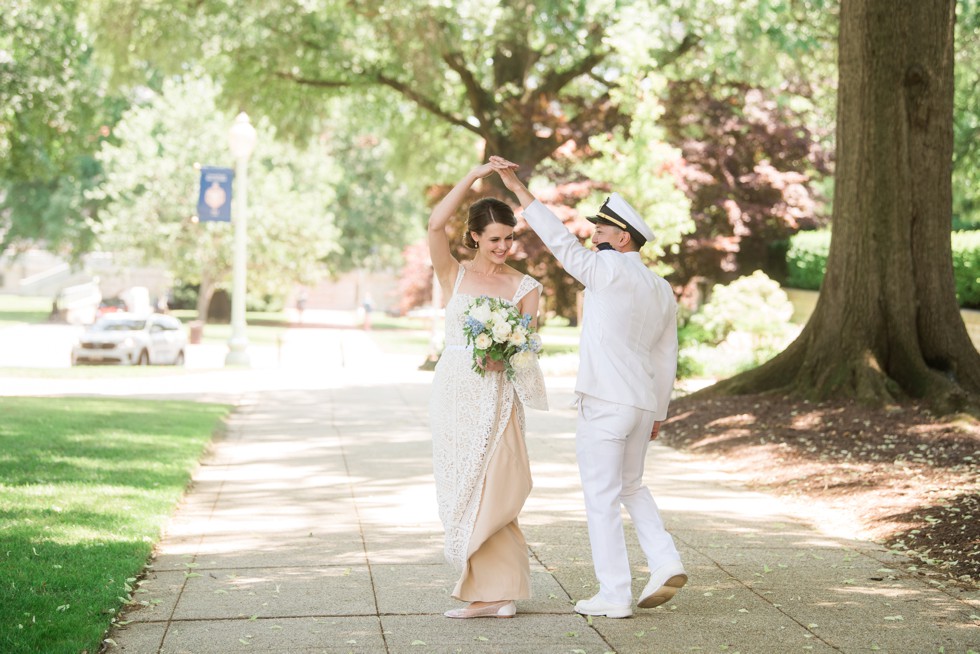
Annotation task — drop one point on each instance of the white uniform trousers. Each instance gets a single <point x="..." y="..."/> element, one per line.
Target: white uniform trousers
<point x="611" y="442"/>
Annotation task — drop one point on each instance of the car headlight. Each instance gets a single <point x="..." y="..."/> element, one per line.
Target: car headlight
<point x="129" y="342"/>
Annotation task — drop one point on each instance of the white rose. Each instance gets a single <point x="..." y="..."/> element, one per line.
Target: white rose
<point x="499" y="316"/>
<point x="480" y="312"/>
<point x="501" y="330"/>
<point x="518" y="337"/>
<point x="522" y="360"/>
<point x="483" y="341"/>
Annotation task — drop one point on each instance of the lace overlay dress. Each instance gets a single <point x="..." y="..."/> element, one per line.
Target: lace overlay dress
<point x="480" y="461"/>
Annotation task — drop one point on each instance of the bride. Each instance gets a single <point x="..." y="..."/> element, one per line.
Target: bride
<point x="480" y="460"/>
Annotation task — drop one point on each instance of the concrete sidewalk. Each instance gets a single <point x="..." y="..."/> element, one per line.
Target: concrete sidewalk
<point x="312" y="527"/>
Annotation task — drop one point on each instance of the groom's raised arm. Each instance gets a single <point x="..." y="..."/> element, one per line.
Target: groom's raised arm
<point x="578" y="261"/>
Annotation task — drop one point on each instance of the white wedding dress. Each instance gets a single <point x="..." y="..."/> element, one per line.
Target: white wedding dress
<point x="480" y="460"/>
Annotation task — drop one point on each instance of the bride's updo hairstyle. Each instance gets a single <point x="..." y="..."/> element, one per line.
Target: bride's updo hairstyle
<point x="482" y="213"/>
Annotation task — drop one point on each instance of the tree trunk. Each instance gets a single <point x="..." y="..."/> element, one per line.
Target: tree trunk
<point x="887" y="324"/>
<point x="204" y="296"/>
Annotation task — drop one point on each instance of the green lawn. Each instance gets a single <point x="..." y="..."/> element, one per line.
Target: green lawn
<point x="401" y="335"/>
<point x="381" y="321"/>
<point x="261" y="327"/>
<point x="558" y="338"/>
<point x="16" y="309"/>
<point x="85" y="487"/>
<point x="402" y="341"/>
<point x="256" y="334"/>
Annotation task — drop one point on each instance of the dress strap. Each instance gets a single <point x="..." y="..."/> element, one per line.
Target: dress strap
<point x="459" y="278"/>
<point x="527" y="285"/>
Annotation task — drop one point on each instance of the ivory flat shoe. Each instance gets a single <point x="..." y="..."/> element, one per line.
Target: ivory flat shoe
<point x="502" y="609"/>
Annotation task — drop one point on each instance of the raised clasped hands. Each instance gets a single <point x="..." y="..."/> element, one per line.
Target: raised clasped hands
<point x="483" y="170"/>
<point x="506" y="170"/>
<point x="494" y="164"/>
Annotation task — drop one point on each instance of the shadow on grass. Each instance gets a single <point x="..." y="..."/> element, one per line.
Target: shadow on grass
<point x="87" y="486"/>
<point x="59" y="598"/>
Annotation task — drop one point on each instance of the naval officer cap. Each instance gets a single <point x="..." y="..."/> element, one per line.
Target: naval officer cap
<point x="617" y="212"/>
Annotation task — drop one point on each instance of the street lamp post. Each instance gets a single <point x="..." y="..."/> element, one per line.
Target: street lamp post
<point x="241" y="140"/>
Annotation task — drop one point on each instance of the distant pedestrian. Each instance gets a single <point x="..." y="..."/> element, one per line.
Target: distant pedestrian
<point x="301" y="300"/>
<point x="367" y="306"/>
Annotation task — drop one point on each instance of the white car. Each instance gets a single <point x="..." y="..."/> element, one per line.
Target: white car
<point x="133" y="339"/>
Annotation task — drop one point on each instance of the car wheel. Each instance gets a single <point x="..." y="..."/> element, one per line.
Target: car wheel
<point x="144" y="359"/>
<point x="179" y="361"/>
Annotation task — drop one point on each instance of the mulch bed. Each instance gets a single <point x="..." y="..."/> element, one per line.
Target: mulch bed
<point x="906" y="478"/>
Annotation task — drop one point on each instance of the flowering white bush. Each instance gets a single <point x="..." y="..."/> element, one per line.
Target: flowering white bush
<point x="498" y="332"/>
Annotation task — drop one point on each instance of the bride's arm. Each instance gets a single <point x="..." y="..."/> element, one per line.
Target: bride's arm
<point x="443" y="261"/>
<point x="529" y="305"/>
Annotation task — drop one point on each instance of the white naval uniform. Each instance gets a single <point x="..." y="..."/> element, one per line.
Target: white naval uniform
<point x="628" y="355"/>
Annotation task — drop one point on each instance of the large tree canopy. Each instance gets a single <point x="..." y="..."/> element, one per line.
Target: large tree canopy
<point x="887" y="324"/>
<point x="524" y="76"/>
<point x="53" y="109"/>
<point x="149" y="194"/>
<point x="430" y="81"/>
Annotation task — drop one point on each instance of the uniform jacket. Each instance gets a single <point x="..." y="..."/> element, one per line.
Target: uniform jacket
<point x="628" y="351"/>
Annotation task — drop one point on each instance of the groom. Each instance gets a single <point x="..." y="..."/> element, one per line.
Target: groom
<point x="628" y="357"/>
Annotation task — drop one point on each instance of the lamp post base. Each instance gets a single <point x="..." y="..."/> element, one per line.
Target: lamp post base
<point x="237" y="354"/>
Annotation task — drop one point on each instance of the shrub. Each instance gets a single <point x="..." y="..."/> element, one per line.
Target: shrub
<point x="746" y="322"/>
<point x="689" y="360"/>
<point x="752" y="305"/>
<point x="806" y="262"/>
<point x="966" y="268"/>
<point x="806" y="259"/>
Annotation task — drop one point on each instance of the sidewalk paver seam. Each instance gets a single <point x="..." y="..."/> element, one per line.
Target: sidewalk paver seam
<point x="850" y="551"/>
<point x="360" y="525"/>
<point x="971" y="604"/>
<point x="590" y="624"/>
<point x="869" y="550"/>
<point x="774" y="605"/>
<point x="183" y="584"/>
<point x="231" y="431"/>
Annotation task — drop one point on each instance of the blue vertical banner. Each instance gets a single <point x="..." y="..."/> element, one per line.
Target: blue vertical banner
<point x="214" y="202"/>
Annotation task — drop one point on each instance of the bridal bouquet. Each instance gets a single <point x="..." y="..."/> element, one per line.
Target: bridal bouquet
<point x="498" y="332"/>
